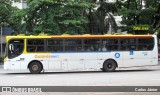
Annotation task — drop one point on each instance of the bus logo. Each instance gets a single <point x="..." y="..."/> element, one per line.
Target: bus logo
<point x="117" y="55"/>
<point x="131" y="52"/>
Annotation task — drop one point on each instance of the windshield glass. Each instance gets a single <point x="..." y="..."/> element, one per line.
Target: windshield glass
<point x="15" y="48"/>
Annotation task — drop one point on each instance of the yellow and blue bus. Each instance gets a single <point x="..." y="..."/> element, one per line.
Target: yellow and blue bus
<point x="80" y="52"/>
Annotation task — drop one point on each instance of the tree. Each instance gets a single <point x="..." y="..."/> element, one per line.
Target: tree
<point x="102" y="18"/>
<point x="57" y="16"/>
<point x="5" y="12"/>
<point x="140" y="13"/>
<point x="16" y="20"/>
<point x="10" y="16"/>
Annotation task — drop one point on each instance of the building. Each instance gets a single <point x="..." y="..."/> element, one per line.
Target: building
<point x="21" y="4"/>
<point x="5" y="32"/>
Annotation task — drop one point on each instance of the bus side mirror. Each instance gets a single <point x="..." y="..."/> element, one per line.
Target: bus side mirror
<point x="11" y="47"/>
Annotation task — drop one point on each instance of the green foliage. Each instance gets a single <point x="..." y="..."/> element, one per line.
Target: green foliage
<point x="102" y="18"/>
<point x="146" y="16"/>
<point x="16" y="20"/>
<point x="151" y="3"/>
<point x="11" y="16"/>
<point x="76" y="16"/>
<point x="134" y="14"/>
<point x="5" y="12"/>
<point x="56" y="16"/>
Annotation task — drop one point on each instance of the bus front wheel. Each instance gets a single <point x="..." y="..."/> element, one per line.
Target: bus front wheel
<point x="109" y="66"/>
<point x="35" y="67"/>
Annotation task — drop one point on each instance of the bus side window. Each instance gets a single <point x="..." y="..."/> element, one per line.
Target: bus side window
<point x="32" y="49"/>
<point x="145" y="47"/>
<point x="89" y="48"/>
<point x="132" y="47"/>
<point x="104" y="48"/>
<point x="150" y="47"/>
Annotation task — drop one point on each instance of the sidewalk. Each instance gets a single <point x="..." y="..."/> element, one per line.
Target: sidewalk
<point x="1" y="66"/>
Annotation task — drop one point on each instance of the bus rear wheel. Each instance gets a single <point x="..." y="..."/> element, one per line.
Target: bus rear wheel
<point x="35" y="68"/>
<point x="109" y="66"/>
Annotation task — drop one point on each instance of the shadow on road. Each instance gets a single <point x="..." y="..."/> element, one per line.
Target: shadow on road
<point x="81" y="72"/>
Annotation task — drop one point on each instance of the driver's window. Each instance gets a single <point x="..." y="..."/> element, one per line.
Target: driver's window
<point x="15" y="47"/>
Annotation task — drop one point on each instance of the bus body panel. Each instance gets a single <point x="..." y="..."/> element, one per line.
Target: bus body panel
<point x="140" y="58"/>
<point x="7" y="65"/>
<point x="84" y="60"/>
<point x="116" y="56"/>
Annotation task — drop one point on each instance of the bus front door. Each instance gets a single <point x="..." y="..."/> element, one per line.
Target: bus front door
<point x="15" y="53"/>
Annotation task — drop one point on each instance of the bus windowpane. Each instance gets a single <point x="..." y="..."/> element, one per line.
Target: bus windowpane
<point x="110" y="44"/>
<point x="72" y="45"/>
<point x="145" y="44"/>
<point x="35" y="45"/>
<point x="91" y="45"/>
<point x="54" y="42"/>
<point x="35" y="41"/>
<point x="54" y="45"/>
<point x="128" y="44"/>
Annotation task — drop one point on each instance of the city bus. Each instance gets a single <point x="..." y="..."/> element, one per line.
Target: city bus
<point x="80" y="52"/>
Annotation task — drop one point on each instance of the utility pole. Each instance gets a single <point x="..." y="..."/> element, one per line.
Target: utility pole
<point x="1" y="41"/>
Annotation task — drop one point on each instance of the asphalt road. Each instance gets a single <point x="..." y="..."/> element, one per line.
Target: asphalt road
<point x="130" y="77"/>
<point x="146" y="76"/>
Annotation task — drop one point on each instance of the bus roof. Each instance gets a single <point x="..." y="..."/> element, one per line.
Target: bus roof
<point x="82" y="36"/>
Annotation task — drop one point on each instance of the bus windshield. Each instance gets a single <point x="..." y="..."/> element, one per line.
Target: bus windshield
<point x="15" y="48"/>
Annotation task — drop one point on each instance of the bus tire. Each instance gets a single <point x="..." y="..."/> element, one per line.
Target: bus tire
<point x="35" y="67"/>
<point x="109" y="66"/>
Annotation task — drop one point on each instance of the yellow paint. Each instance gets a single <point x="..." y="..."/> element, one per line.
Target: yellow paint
<point x="86" y="34"/>
<point x="42" y="56"/>
<point x="140" y="28"/>
<point x="25" y="47"/>
<point x="5" y="59"/>
<point x="21" y="35"/>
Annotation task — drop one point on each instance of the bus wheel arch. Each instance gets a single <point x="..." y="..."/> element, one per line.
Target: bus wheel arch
<point x="109" y="65"/>
<point x="35" y="66"/>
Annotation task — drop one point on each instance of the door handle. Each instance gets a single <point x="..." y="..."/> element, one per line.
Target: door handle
<point x="131" y="58"/>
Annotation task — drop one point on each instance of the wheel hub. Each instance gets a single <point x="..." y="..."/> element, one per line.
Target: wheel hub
<point x="109" y="66"/>
<point x="34" y="67"/>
